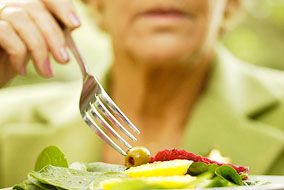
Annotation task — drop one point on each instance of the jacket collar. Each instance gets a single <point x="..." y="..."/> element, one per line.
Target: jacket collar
<point x="224" y="117"/>
<point x="243" y="84"/>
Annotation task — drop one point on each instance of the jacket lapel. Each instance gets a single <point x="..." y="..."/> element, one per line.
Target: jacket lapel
<point x="224" y="117"/>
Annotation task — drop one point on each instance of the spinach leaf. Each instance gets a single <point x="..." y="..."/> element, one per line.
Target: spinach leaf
<point x="67" y="178"/>
<point x="254" y="181"/>
<point x="104" y="167"/>
<point x="26" y="185"/>
<point x="219" y="182"/>
<point x="40" y="185"/>
<point x="51" y="155"/>
<point x="197" y="168"/>
<point x="229" y="173"/>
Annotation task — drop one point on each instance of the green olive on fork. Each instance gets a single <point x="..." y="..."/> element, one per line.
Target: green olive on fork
<point x="137" y="156"/>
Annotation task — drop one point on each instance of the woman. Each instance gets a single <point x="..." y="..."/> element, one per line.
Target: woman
<point x="169" y="76"/>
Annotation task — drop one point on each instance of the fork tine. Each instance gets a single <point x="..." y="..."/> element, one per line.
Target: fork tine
<point x="88" y="119"/>
<point x="105" y="124"/>
<point x="106" y="99"/>
<point x="99" y="104"/>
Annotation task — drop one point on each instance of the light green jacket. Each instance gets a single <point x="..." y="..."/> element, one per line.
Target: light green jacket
<point x="241" y="113"/>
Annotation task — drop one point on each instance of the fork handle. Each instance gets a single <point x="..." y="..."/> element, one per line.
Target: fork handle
<point x="71" y="44"/>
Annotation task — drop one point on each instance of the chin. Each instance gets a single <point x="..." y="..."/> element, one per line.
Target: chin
<point x="164" y="50"/>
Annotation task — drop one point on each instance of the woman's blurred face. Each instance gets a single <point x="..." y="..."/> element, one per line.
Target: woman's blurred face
<point x="156" y="31"/>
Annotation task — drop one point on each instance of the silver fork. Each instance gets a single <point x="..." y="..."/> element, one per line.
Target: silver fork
<point x="95" y="105"/>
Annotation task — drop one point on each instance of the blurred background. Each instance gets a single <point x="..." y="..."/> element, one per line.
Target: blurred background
<point x="259" y="37"/>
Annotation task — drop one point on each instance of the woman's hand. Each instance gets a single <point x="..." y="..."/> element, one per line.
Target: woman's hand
<point x="28" y="29"/>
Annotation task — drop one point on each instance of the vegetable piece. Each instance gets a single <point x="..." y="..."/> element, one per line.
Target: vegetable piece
<point x="219" y="182"/>
<point x="167" y="168"/>
<point x="40" y="185"/>
<point x="26" y="185"/>
<point x="67" y="178"/>
<point x="170" y="182"/>
<point x="200" y="180"/>
<point x="244" y="176"/>
<point x="165" y="182"/>
<point x="253" y="181"/>
<point x="137" y="156"/>
<point x="134" y="184"/>
<point x="51" y="155"/>
<point x="230" y="174"/>
<point x="104" y="167"/>
<point x="197" y="168"/>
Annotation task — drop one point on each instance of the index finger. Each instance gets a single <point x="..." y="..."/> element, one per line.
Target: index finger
<point x="64" y="11"/>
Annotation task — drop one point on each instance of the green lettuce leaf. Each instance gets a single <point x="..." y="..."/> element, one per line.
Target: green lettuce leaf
<point x="219" y="182"/>
<point x="26" y="185"/>
<point x="105" y="167"/>
<point x="197" y="168"/>
<point x="51" y="155"/>
<point x="229" y="173"/>
<point x="201" y="180"/>
<point x="67" y="178"/>
<point x="40" y="185"/>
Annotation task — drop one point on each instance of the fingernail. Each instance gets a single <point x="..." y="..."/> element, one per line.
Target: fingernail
<point x="74" y="19"/>
<point x="48" y="68"/>
<point x="64" y="54"/>
<point x="23" y="70"/>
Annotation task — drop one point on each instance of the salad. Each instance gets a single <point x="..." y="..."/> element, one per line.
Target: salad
<point x="168" y="169"/>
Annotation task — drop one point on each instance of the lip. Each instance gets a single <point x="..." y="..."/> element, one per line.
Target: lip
<point x="164" y="13"/>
